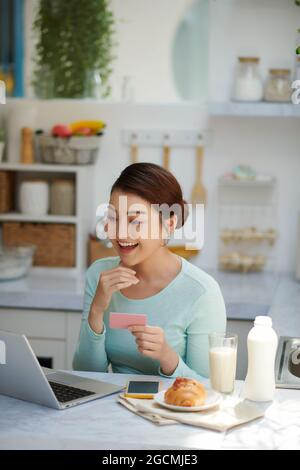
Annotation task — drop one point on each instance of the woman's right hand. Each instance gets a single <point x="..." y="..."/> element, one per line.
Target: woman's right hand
<point x="110" y="281"/>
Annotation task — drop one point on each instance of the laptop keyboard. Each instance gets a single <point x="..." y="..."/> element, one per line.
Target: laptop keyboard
<point x="65" y="393"/>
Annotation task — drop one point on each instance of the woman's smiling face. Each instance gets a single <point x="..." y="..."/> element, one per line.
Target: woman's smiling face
<point x="134" y="227"/>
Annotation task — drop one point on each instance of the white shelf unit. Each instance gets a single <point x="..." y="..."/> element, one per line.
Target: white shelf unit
<point x="244" y="204"/>
<point x="50" y="218"/>
<point x="254" y="184"/>
<point x="83" y="177"/>
<point x="259" y="109"/>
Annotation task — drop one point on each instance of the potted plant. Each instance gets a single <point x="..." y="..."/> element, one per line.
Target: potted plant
<point x="74" y="46"/>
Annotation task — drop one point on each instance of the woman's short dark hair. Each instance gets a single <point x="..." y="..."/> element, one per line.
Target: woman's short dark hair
<point x="156" y="185"/>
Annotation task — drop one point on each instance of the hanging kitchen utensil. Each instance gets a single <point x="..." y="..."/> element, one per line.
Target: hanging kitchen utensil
<point x="134" y="149"/>
<point x="166" y="152"/>
<point x="199" y="191"/>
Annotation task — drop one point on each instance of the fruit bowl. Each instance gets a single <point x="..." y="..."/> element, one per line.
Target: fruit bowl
<point x="74" y="150"/>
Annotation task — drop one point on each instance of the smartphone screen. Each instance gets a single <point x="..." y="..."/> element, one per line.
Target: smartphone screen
<point x="143" y="387"/>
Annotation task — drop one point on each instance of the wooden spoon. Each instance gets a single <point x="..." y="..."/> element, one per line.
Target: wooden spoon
<point x="199" y="191"/>
<point x="166" y="153"/>
<point x="134" y="149"/>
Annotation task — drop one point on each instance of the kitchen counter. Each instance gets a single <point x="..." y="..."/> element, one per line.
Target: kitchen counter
<point x="105" y="424"/>
<point x="246" y="295"/>
<point x="44" y="289"/>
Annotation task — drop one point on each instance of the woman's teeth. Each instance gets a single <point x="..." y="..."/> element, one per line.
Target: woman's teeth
<point x="127" y="246"/>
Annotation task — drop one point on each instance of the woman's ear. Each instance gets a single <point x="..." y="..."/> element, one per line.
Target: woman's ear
<point x="171" y="224"/>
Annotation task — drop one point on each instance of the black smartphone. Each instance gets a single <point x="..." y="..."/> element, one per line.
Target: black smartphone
<point x="142" y="388"/>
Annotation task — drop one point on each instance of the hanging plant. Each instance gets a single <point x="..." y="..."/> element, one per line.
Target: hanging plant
<point x="74" y="41"/>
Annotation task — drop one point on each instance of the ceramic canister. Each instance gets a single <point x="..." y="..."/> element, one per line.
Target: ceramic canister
<point x="62" y="197"/>
<point x="34" y="197"/>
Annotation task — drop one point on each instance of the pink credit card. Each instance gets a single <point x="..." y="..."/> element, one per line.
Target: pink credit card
<point x="124" y="320"/>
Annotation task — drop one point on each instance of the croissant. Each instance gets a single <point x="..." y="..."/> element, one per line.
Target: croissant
<point x="186" y="392"/>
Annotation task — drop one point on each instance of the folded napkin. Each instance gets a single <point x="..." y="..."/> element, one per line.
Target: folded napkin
<point x="232" y="411"/>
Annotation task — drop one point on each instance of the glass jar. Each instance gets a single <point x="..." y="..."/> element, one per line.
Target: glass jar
<point x="62" y="197"/>
<point x="297" y="68"/>
<point x="2" y="92"/>
<point x="127" y="93"/>
<point x="278" y="87"/>
<point x="248" y="83"/>
<point x="44" y="83"/>
<point x="298" y="43"/>
<point x="93" y="84"/>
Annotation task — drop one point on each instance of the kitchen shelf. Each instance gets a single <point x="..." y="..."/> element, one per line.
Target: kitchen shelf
<point x="84" y="220"/>
<point x="247" y="183"/>
<point x="43" y="167"/>
<point x="49" y="218"/>
<point x="260" y="109"/>
<point x="244" y="205"/>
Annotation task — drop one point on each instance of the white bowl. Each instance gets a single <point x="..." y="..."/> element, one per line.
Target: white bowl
<point x="15" y="262"/>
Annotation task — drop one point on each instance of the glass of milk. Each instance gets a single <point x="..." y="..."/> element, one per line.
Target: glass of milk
<point x="222" y="361"/>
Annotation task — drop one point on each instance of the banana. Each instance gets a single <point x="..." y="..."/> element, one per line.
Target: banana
<point x="93" y="125"/>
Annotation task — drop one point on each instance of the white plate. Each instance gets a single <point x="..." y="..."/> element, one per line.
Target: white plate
<point x="213" y="399"/>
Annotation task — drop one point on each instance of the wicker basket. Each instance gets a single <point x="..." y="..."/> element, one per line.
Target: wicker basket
<point x="180" y="250"/>
<point x="97" y="250"/>
<point x="69" y="151"/>
<point x="6" y="190"/>
<point x="55" y="243"/>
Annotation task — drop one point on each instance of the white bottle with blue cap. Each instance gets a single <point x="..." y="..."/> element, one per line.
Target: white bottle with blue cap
<point x="262" y="345"/>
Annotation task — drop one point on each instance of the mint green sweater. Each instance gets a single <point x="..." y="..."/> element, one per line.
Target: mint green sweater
<point x="189" y="308"/>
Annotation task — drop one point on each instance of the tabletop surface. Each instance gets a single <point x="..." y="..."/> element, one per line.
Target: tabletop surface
<point x="106" y="424"/>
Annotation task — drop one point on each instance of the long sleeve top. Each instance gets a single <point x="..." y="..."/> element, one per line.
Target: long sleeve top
<point x="188" y="309"/>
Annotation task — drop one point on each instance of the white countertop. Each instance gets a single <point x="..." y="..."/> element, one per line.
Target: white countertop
<point x="105" y="424"/>
<point x="44" y="289"/>
<point x="246" y="295"/>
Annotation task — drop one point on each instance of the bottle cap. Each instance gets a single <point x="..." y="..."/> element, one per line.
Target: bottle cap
<point x="263" y="321"/>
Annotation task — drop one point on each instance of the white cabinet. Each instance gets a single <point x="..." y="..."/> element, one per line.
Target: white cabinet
<point x="50" y="352"/>
<point x="53" y="335"/>
<point x="73" y="321"/>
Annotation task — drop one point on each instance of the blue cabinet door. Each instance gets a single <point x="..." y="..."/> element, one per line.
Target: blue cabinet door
<point x="12" y="45"/>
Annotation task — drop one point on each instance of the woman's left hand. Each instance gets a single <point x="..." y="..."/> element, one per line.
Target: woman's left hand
<point x="151" y="342"/>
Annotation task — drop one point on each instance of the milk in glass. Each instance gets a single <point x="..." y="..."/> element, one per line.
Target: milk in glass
<point x="223" y="368"/>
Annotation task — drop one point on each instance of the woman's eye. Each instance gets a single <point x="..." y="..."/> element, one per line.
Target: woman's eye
<point x="136" y="222"/>
<point x="111" y="218"/>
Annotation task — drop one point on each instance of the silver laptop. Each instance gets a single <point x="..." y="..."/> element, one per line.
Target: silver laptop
<point x="21" y="376"/>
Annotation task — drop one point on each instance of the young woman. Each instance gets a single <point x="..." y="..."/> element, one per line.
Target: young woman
<point x="183" y="304"/>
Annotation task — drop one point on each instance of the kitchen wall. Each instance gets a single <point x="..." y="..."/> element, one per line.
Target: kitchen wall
<point x="146" y="60"/>
<point x="265" y="28"/>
